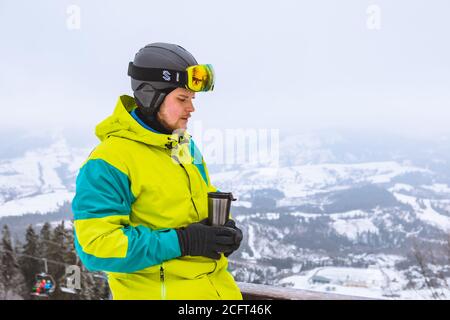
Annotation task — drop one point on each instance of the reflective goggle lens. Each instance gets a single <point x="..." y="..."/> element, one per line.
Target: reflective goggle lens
<point x="200" y="77"/>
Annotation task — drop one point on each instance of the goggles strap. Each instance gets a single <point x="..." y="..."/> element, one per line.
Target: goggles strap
<point x="158" y="75"/>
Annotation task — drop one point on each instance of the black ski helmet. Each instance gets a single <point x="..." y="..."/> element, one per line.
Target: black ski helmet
<point x="149" y="95"/>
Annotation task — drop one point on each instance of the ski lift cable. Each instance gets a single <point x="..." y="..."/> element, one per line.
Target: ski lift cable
<point x="95" y="274"/>
<point x="101" y="274"/>
<point x="36" y="258"/>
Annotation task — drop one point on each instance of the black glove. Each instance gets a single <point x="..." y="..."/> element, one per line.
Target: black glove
<point x="200" y="239"/>
<point x="237" y="239"/>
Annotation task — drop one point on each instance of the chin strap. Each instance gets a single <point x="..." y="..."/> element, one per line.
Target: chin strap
<point x="151" y="108"/>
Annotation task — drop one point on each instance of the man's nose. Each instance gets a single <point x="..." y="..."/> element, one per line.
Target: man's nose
<point x="191" y="107"/>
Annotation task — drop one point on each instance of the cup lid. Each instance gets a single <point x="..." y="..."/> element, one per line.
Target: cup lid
<point x="221" y="195"/>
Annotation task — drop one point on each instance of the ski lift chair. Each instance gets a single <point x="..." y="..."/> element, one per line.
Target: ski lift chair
<point x="48" y="279"/>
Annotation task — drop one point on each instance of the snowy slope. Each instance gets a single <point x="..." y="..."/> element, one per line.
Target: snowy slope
<point x="373" y="282"/>
<point x="303" y="181"/>
<point x="304" y="218"/>
<point x="425" y="212"/>
<point x="39" y="181"/>
<point x="43" y="179"/>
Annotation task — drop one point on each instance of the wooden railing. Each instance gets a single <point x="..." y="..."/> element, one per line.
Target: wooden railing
<point x="251" y="291"/>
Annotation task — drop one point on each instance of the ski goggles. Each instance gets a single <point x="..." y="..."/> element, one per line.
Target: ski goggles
<point x="196" y="78"/>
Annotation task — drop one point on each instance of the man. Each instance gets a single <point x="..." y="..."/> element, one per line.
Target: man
<point x="140" y="209"/>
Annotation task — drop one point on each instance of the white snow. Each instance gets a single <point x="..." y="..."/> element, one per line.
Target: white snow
<point x="43" y="203"/>
<point x="272" y="216"/>
<point x="251" y="242"/>
<point x="351" y="228"/>
<point x="398" y="187"/>
<point x="349" y="214"/>
<point x="33" y="183"/>
<point x="299" y="182"/>
<point x="305" y="215"/>
<point x="439" y="188"/>
<point x="245" y="204"/>
<point x="67" y="224"/>
<point x="426" y="214"/>
<point x="348" y="224"/>
<point x="378" y="282"/>
<point x="348" y="281"/>
<point x="435" y="218"/>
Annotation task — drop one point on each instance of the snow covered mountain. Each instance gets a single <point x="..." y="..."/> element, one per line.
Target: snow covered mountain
<point x="355" y="198"/>
<point x="333" y="207"/>
<point x="40" y="180"/>
<point x="333" y="201"/>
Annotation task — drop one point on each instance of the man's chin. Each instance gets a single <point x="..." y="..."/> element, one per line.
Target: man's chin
<point x="180" y="127"/>
<point x="182" y="124"/>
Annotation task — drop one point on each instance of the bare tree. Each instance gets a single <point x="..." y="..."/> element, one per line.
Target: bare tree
<point x="424" y="257"/>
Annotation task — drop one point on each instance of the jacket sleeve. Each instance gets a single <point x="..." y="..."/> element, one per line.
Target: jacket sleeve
<point x="104" y="238"/>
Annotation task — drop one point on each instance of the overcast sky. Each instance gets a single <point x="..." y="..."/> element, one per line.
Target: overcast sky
<point x="301" y="65"/>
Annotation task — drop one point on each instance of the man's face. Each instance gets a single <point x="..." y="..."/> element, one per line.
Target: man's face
<point x="176" y="109"/>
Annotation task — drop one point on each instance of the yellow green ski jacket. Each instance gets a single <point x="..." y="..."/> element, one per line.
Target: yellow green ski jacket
<point x="134" y="189"/>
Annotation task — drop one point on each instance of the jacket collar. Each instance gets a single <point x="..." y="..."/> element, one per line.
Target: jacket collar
<point x="122" y="124"/>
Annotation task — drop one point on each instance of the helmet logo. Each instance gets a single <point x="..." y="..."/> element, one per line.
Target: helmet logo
<point x="166" y="75"/>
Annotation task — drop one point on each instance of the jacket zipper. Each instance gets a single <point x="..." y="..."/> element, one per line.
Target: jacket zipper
<point x="163" y="285"/>
<point x="212" y="284"/>
<point x="190" y="189"/>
